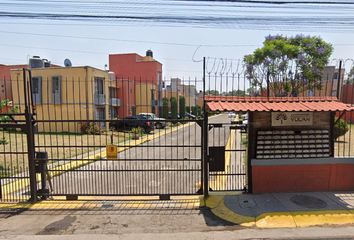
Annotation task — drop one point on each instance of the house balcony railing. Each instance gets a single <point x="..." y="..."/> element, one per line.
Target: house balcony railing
<point x="99" y="99"/>
<point x="115" y="102"/>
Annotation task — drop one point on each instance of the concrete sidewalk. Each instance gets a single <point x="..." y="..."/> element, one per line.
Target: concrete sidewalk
<point x="280" y="210"/>
<point x="284" y="210"/>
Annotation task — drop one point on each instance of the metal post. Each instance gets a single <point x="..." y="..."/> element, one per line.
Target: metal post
<point x="205" y="141"/>
<point x="338" y="84"/>
<point x="250" y="154"/>
<point x="30" y="141"/>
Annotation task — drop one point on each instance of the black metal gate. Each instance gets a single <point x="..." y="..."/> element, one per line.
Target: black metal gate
<point x="75" y="153"/>
<point x="227" y="153"/>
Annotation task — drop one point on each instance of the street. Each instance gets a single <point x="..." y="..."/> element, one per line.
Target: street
<point x="169" y="164"/>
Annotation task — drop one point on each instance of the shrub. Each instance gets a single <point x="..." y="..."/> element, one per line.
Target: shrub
<point x="340" y="128"/>
<point x="3" y="141"/>
<point x="136" y="130"/>
<point x="91" y="128"/>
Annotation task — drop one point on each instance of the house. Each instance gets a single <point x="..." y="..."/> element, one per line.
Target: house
<point x="146" y="73"/>
<point x="65" y="94"/>
<point x="5" y="74"/>
<point x="177" y="89"/>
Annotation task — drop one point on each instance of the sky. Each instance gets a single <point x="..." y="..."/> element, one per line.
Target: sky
<point x="180" y="33"/>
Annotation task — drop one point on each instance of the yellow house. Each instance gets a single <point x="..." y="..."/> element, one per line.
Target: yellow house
<point x="64" y="94"/>
<point x="146" y="100"/>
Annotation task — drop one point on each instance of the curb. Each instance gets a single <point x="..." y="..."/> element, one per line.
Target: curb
<point x="296" y="219"/>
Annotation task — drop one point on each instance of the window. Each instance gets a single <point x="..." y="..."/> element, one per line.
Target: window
<point x="335" y="75"/>
<point x="113" y="112"/>
<point x="160" y="80"/>
<point x="56" y="85"/>
<point x="56" y="89"/>
<point x="35" y="85"/>
<point x="112" y="93"/>
<point x="152" y="94"/>
<point x="100" y="115"/>
<point x="99" y="85"/>
<point x="37" y="90"/>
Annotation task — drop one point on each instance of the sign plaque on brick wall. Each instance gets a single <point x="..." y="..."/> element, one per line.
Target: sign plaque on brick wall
<point x="292" y="118"/>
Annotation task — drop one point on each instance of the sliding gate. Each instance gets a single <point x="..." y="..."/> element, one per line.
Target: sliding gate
<point x="73" y="150"/>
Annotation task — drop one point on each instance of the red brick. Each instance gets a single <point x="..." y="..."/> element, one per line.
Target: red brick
<point x="323" y="174"/>
<point x="312" y="174"/>
<point x="288" y="182"/>
<point x="319" y="182"/>
<point x="302" y="182"/>
<point x="296" y="175"/>
<point x="309" y="188"/>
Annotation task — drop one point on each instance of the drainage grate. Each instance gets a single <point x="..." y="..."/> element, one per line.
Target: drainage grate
<point x="308" y="202"/>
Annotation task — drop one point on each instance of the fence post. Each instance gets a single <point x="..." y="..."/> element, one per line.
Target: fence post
<point x="205" y="141"/>
<point x="30" y="141"/>
<point x="339" y="85"/>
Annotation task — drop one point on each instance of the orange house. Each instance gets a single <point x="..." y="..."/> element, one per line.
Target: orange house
<point x="137" y="69"/>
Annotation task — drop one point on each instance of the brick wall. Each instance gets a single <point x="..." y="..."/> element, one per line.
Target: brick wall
<point x="303" y="178"/>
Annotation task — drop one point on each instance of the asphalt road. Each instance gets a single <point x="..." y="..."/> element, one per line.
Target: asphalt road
<point x="170" y="164"/>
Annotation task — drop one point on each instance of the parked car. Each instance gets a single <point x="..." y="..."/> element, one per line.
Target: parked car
<point x="244" y="116"/>
<point x="130" y="122"/>
<point x="158" y="122"/>
<point x="170" y="116"/>
<point x="232" y="114"/>
<point x="190" y="116"/>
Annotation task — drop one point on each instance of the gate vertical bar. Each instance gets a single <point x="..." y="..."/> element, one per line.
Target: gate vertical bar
<point x="30" y="141"/>
<point x="339" y="85"/>
<point x="205" y="140"/>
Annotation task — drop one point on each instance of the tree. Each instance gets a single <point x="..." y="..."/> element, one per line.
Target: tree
<point x="188" y="109"/>
<point x="182" y="107"/>
<point x="173" y="101"/>
<point x="238" y="93"/>
<point x="288" y="65"/>
<point x="340" y="129"/>
<point x="212" y="92"/>
<point x="165" y="107"/>
<point x="350" y="79"/>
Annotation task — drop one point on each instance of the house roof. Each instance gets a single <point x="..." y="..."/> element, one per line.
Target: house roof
<point x="265" y="104"/>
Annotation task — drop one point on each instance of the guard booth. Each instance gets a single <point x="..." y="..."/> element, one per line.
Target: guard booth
<point x="291" y="143"/>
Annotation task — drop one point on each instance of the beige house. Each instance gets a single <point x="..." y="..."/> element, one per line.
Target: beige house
<point x="65" y="94"/>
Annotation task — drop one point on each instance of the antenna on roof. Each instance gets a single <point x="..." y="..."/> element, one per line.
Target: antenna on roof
<point x="67" y="63"/>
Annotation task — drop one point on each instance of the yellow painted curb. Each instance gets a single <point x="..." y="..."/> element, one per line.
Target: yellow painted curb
<point x="217" y="206"/>
<point x="331" y="217"/>
<point x="278" y="219"/>
<point x="275" y="220"/>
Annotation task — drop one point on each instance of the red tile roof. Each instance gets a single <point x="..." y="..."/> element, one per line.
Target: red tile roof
<point x="223" y="103"/>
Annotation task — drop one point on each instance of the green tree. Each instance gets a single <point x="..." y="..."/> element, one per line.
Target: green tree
<point x="237" y="93"/>
<point x="165" y="107"/>
<point x="212" y="92"/>
<point x="173" y="101"/>
<point x="188" y="109"/>
<point x="350" y="78"/>
<point x="290" y="64"/>
<point x="182" y="107"/>
<point x="340" y="129"/>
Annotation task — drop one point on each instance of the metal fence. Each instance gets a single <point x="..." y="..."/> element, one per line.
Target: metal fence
<point x="74" y="131"/>
<point x="71" y="117"/>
